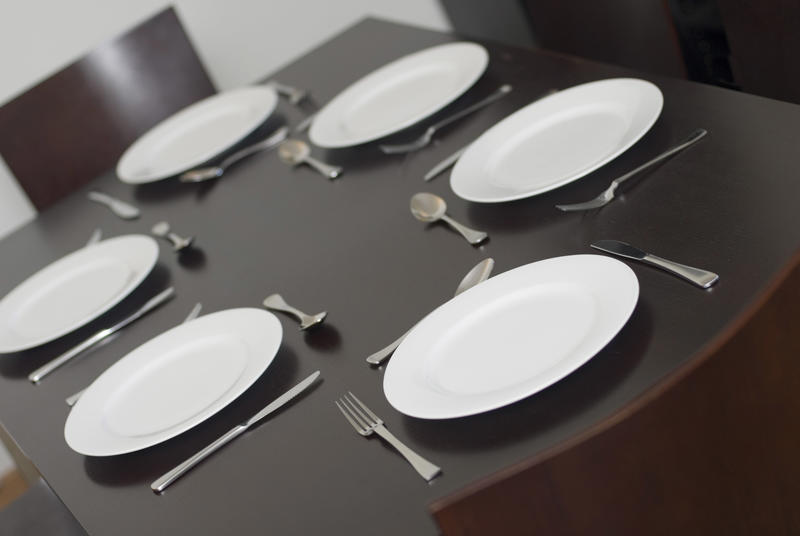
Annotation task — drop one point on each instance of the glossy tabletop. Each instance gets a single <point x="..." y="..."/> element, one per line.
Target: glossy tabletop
<point x="351" y="247"/>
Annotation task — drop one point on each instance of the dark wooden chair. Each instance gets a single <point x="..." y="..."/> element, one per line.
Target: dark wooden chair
<point x="765" y="43"/>
<point x="669" y="37"/>
<point x="73" y="126"/>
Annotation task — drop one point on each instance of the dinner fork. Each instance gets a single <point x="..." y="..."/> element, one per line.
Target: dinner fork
<point x="427" y="136"/>
<point x="606" y="196"/>
<point x="366" y="423"/>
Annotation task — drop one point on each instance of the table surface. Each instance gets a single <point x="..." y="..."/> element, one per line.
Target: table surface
<point x="352" y="247"/>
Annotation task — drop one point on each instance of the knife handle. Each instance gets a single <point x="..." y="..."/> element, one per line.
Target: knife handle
<point x="161" y="484"/>
<point x="697" y="276"/>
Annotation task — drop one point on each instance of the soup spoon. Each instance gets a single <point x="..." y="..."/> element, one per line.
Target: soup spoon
<point x="429" y="208"/>
<point x="296" y="152"/>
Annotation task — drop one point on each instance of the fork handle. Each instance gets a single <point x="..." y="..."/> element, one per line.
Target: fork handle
<point x="425" y="468"/>
<point x="693" y="137"/>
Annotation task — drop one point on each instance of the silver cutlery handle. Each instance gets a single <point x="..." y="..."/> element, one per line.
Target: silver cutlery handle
<point x="697" y="276"/>
<point x="161" y="484"/>
<point x="326" y="169"/>
<point x="72" y="400"/>
<point x="472" y="236"/>
<point x="276" y="301"/>
<point x="37" y="375"/>
<point x="693" y="137"/>
<point x="380" y="356"/>
<point x="272" y="141"/>
<point x="96" y="236"/>
<point x="425" y="468"/>
<point x="499" y="92"/>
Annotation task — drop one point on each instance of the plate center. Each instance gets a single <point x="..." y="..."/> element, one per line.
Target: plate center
<point x="76" y="293"/>
<point x="407" y="95"/>
<point x="512" y="340"/>
<point x="177" y="386"/>
<point x="566" y="144"/>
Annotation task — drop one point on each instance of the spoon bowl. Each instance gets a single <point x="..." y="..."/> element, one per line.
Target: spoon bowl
<point x="296" y="152"/>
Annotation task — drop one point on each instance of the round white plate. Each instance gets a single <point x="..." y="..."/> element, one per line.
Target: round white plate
<point x="398" y="95"/>
<point x="510" y="337"/>
<point x="173" y="382"/>
<point x="74" y="290"/>
<point x="556" y="140"/>
<point x="196" y="134"/>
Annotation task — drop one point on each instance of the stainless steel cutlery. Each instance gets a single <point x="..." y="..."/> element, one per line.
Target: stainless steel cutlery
<point x="430" y="208"/>
<point x="295" y="94"/>
<point x="478" y="274"/>
<point x="277" y="303"/>
<point x="426" y="137"/>
<point x="161" y="484"/>
<point x="211" y="172"/>
<point x="37" y="375"/>
<point x="696" y="276"/>
<point x="124" y="210"/>
<point x="366" y="423"/>
<point x="296" y="152"/>
<point x="162" y="230"/>
<point x="607" y="195"/>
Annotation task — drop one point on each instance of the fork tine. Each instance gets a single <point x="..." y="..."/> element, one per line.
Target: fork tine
<point x="358" y="413"/>
<point x="375" y="418"/>
<point x="347" y="416"/>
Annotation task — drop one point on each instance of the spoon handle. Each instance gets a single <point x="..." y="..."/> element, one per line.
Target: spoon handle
<point x="380" y="356"/>
<point x="471" y="235"/>
<point x="276" y="302"/>
<point x="326" y="169"/>
<point x="267" y="143"/>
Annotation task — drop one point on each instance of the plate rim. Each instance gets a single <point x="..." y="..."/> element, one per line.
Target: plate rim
<point x="454" y="176"/>
<point x="266" y="359"/>
<point x="355" y="87"/>
<point x="270" y="101"/>
<point x="628" y="308"/>
<point x="150" y="263"/>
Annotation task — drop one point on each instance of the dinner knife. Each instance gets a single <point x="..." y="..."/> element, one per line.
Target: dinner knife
<point x="37" y="375"/>
<point x="444" y="164"/>
<point x="161" y="484"/>
<point x="697" y="276"/>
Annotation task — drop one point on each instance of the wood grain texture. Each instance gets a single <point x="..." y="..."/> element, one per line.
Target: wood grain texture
<point x="75" y="125"/>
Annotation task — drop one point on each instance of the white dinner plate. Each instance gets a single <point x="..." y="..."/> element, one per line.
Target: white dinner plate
<point x="196" y="134"/>
<point x="398" y="95"/>
<point x="173" y="382"/>
<point x="556" y="140"/>
<point x="510" y="337"/>
<point x="74" y="290"/>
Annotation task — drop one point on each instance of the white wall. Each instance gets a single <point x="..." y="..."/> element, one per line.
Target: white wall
<point x="238" y="40"/>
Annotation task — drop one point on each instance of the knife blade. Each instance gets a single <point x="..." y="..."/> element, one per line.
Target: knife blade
<point x="444" y="164"/>
<point x="168" y="478"/>
<point x="697" y="276"/>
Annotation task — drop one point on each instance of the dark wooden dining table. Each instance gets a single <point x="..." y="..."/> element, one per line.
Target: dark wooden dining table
<point x="352" y="247"/>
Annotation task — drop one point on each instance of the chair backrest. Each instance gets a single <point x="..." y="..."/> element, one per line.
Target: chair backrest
<point x="75" y="125"/>
<point x="764" y="42"/>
